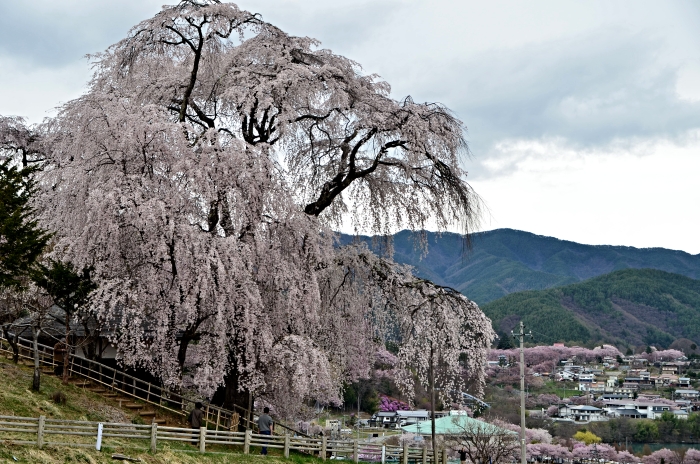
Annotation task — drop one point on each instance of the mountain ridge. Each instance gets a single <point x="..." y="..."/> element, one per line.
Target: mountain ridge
<point x="505" y="261"/>
<point x="625" y="307"/>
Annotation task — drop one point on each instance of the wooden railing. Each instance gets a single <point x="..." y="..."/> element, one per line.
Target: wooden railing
<point x="43" y="431"/>
<point x="127" y="385"/>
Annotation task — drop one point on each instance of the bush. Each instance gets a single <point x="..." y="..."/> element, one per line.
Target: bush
<point x="587" y="437"/>
<point x="58" y="397"/>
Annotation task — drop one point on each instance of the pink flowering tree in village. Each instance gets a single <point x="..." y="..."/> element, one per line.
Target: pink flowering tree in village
<point x="200" y="177"/>
<point x="662" y="355"/>
<point x="545" y="358"/>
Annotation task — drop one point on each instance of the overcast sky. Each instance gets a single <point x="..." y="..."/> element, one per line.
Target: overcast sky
<point x="583" y="117"/>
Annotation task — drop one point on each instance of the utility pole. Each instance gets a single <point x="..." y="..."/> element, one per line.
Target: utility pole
<point x="522" y="336"/>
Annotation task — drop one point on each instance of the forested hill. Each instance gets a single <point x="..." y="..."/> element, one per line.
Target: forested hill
<point x="504" y="261"/>
<point x="628" y="307"/>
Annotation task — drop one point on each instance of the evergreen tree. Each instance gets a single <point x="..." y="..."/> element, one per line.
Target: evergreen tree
<point x="69" y="290"/>
<point x="21" y="239"/>
<point x="505" y="342"/>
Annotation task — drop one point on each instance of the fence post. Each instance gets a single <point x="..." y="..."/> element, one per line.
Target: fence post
<point x="206" y="416"/>
<point x="246" y="441"/>
<point x="355" y="451"/>
<point x="40" y="432"/>
<point x="444" y="456"/>
<point x="405" y="453"/>
<point x="324" y="447"/>
<point x="202" y="438"/>
<point x="286" y="445"/>
<point x="425" y="454"/>
<point x="154" y="436"/>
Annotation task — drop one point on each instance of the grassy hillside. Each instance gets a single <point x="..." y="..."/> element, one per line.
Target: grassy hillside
<point x="632" y="306"/>
<point x="505" y="261"/>
<point x="17" y="399"/>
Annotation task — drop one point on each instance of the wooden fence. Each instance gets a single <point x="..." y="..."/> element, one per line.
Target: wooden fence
<point x="43" y="431"/>
<point x="129" y="386"/>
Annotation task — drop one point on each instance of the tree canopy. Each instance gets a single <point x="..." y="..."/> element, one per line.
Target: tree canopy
<point x="200" y="177"/>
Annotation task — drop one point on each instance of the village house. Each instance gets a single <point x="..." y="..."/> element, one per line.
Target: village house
<point x="411" y="417"/>
<point x="684" y="382"/>
<point x="666" y="380"/>
<point x="613" y="396"/>
<point x="636" y="409"/>
<point x="687" y="394"/>
<point x="592" y="387"/>
<point x="581" y="413"/>
<point x="630" y="413"/>
<point x="671" y="368"/>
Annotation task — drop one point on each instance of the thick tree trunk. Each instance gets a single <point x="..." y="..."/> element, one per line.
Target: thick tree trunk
<point x="36" y="380"/>
<point x="240" y="401"/>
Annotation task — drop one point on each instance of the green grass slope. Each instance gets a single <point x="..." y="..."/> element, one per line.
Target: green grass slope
<point x="505" y="261"/>
<point x="626" y="307"/>
<point x="18" y="399"/>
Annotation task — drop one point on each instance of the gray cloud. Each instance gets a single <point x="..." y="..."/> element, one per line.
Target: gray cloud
<point x="590" y="91"/>
<point x="54" y="34"/>
<point x="587" y="81"/>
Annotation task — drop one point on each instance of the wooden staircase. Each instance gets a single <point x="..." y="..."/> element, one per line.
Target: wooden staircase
<point x="149" y="415"/>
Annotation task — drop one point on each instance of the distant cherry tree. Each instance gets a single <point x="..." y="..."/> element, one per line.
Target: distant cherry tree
<point x="200" y="177"/>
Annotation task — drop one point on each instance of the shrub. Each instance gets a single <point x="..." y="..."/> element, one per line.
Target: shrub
<point x="58" y="397"/>
<point x="587" y="437"/>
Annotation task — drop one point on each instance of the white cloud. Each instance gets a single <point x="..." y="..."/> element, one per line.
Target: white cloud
<point x="34" y="92"/>
<point x="644" y="195"/>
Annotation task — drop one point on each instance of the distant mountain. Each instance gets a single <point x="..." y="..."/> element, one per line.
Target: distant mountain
<point x="505" y="261"/>
<point x="627" y="307"/>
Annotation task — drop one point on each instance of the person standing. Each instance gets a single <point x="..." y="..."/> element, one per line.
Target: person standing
<point x="195" y="420"/>
<point x="463" y="456"/>
<point x="265" y="426"/>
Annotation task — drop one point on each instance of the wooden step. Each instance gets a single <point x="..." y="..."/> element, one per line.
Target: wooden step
<point x="159" y="421"/>
<point x="147" y="413"/>
<point x="75" y="380"/>
<point x="109" y="394"/>
<point x="97" y="389"/>
<point x="134" y="406"/>
<point x="80" y="384"/>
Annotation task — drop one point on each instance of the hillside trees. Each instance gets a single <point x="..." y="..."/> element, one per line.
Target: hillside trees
<point x="22" y="240"/>
<point x="199" y="177"/>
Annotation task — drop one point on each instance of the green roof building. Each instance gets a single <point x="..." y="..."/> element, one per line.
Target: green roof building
<point x="455" y="425"/>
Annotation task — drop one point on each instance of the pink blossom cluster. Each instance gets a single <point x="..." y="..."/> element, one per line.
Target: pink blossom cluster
<point x="545" y="358"/>
<point x="581" y="451"/>
<point x="384" y="359"/>
<point x="387" y="404"/>
<point x="667" y="456"/>
<point x="532" y="436"/>
<point x="662" y="355"/>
